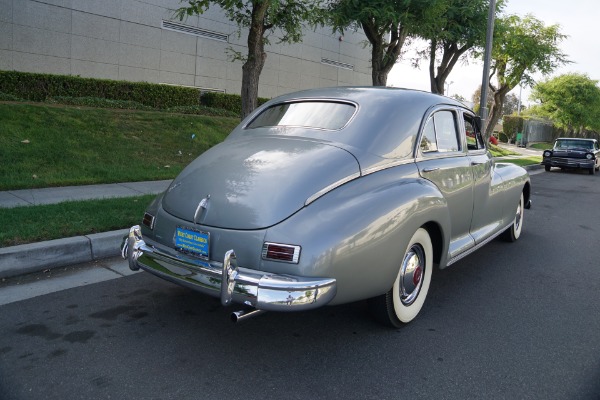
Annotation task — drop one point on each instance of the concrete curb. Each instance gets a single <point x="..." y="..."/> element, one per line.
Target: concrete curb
<point x="35" y="257"/>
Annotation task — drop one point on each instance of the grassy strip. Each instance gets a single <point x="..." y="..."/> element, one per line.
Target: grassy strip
<point x="45" y="146"/>
<point x="73" y="218"/>
<point x="523" y="161"/>
<point x="542" y="146"/>
<point x="498" y="151"/>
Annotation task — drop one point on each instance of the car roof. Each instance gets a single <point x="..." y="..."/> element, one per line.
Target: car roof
<point x="385" y="124"/>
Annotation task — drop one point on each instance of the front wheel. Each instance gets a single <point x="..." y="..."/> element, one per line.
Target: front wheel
<point x="547" y="168"/>
<point x="514" y="231"/>
<point x="592" y="170"/>
<point x="404" y="300"/>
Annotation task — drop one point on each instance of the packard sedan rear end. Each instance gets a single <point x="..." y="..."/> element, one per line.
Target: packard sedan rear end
<point x="330" y="196"/>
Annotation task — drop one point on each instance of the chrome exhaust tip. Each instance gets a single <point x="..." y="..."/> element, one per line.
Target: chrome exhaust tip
<point x="244" y="315"/>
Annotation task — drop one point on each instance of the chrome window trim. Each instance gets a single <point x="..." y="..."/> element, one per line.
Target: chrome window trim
<point x="308" y="100"/>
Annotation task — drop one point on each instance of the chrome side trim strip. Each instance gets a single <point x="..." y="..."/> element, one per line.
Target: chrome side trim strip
<point x="477" y="246"/>
<point x="331" y="187"/>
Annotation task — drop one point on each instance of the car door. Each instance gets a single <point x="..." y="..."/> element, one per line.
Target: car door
<point x="442" y="159"/>
<point x="487" y="199"/>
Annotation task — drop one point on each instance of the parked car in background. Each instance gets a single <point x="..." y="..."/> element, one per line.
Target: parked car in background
<point x="330" y="196"/>
<point x="573" y="153"/>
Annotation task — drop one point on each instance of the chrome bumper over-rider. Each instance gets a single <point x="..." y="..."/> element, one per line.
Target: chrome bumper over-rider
<point x="233" y="284"/>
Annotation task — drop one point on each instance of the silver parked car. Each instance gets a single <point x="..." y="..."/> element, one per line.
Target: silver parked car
<point x="330" y="196"/>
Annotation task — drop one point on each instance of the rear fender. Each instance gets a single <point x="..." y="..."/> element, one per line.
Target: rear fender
<point x="358" y="233"/>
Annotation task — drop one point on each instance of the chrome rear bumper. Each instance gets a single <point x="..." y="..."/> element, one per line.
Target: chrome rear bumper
<point x="233" y="284"/>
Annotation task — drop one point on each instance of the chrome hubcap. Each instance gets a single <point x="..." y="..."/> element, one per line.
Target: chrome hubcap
<point x="411" y="274"/>
<point x="518" y="216"/>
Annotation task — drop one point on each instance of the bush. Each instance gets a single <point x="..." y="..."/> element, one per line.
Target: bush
<point x="511" y="125"/>
<point x="74" y="90"/>
<point x="9" y="97"/>
<point x="40" y="87"/>
<point x="98" y="103"/>
<point x="231" y="102"/>
<point x="502" y="137"/>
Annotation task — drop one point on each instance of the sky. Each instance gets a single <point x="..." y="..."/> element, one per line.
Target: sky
<point x="578" y="20"/>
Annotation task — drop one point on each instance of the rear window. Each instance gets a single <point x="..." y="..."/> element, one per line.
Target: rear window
<point x="307" y="114"/>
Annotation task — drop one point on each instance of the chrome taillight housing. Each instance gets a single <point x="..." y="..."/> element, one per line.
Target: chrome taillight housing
<point x="281" y="252"/>
<point x="148" y="220"/>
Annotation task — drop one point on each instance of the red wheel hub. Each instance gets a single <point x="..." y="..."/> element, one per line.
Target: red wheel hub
<point x="417" y="276"/>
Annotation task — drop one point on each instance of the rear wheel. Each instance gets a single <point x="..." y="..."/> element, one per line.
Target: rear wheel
<point x="514" y="230"/>
<point x="404" y="300"/>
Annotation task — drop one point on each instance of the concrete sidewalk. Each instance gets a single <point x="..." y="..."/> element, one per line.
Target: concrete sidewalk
<point x="34" y="257"/>
<point x="34" y="197"/>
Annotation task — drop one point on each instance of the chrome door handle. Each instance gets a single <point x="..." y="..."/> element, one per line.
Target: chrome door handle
<point x="430" y="169"/>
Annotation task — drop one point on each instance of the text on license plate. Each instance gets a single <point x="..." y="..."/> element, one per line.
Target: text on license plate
<point x="192" y="241"/>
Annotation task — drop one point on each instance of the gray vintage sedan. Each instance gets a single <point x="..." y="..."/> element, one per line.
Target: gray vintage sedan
<point x="330" y="196"/>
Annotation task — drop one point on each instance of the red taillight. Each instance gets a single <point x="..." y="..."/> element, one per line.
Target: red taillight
<point x="148" y="220"/>
<point x="281" y="252"/>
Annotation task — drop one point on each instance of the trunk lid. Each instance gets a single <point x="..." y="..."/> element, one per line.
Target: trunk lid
<point x="255" y="183"/>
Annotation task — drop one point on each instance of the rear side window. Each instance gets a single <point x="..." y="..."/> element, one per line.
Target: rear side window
<point x="440" y="133"/>
<point x="474" y="138"/>
<point x="306" y="114"/>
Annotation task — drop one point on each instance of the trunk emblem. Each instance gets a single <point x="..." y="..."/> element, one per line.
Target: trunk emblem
<point x="201" y="207"/>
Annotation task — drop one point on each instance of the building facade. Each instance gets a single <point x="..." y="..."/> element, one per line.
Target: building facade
<point x="141" y="40"/>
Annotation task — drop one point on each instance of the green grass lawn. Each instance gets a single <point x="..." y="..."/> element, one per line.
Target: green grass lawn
<point x="542" y="146"/>
<point x="73" y="218"/>
<point x="46" y="145"/>
<point x="523" y="161"/>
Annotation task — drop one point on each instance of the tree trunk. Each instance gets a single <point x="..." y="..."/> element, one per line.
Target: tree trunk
<point x="496" y="111"/>
<point x="450" y="56"/>
<point x="253" y="66"/>
<point x="383" y="56"/>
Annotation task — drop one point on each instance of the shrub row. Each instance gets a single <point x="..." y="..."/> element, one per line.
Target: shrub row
<point x="39" y="87"/>
<point x="47" y="87"/>
<point x="231" y="102"/>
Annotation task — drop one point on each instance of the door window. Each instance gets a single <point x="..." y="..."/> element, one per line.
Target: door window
<point x="474" y="138"/>
<point x="440" y="133"/>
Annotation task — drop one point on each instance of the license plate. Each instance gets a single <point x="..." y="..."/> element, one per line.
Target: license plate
<point x="192" y="241"/>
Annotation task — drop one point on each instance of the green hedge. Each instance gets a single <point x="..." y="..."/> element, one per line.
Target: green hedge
<point x="46" y="87"/>
<point x="40" y="87"/>
<point x="231" y="102"/>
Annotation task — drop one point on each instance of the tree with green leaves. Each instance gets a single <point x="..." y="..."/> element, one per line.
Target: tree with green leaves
<point x="570" y="101"/>
<point x="387" y="24"/>
<point x="453" y="35"/>
<point x="522" y="47"/>
<point x="262" y="18"/>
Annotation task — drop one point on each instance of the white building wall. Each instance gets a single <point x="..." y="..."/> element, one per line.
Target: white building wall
<point x="126" y="40"/>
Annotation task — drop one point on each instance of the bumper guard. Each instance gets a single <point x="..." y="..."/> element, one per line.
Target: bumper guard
<point x="233" y="284"/>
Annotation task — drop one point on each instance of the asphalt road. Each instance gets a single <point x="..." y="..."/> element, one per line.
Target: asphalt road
<point x="511" y="321"/>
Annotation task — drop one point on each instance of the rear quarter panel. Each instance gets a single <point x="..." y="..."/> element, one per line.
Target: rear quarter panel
<point x="358" y="233"/>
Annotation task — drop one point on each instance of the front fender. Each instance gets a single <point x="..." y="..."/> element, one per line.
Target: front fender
<point x="358" y="233"/>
